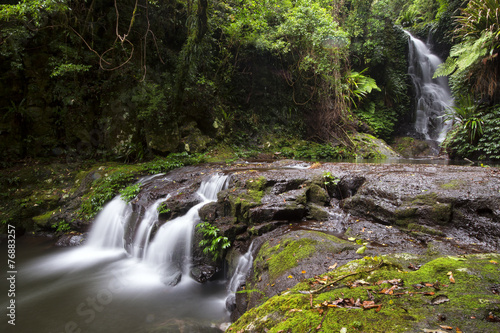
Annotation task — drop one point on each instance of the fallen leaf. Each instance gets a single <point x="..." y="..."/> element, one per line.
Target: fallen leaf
<point x="494" y="262"/>
<point x="452" y="279"/>
<point x="290" y="276"/>
<point x="303" y="272"/>
<point x="333" y="266"/>
<point x="361" y="250"/>
<point x="459" y="330"/>
<point x="295" y="310"/>
<point x="444" y="327"/>
<point x="492" y="318"/>
<point x="439" y="299"/>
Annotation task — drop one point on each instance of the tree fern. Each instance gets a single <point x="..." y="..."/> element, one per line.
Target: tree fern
<point x="464" y="55"/>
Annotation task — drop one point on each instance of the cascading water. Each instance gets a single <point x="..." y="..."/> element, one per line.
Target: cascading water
<point x="171" y="247"/>
<point x="433" y="96"/>
<point x="117" y="283"/>
<point x="244" y="265"/>
<point x="245" y="262"/>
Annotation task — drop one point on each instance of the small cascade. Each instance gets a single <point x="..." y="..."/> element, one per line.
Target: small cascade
<point x="170" y="250"/>
<point x="244" y="265"/>
<point x="433" y="96"/>
<point x="143" y="232"/>
<point x="109" y="227"/>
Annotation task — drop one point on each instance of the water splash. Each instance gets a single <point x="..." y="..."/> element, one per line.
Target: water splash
<point x="433" y="96"/>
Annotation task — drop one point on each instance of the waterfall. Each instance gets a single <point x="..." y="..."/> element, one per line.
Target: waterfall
<point x="433" y="96"/>
<point x="244" y="264"/>
<point x="109" y="226"/>
<point x="143" y="232"/>
<point x="170" y="250"/>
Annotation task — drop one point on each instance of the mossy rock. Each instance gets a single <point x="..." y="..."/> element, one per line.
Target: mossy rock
<point x="43" y="221"/>
<point x="317" y="195"/>
<point x="316" y="212"/>
<point x="284" y="260"/>
<point x="422" y="300"/>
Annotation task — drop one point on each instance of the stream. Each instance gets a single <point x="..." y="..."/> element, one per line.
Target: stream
<point x="102" y="287"/>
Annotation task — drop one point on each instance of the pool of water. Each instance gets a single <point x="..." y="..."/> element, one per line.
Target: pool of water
<point x="85" y="290"/>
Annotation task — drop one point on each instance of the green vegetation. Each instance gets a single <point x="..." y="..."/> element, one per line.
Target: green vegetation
<point x="407" y="307"/>
<point x="212" y="243"/>
<point x="130" y="192"/>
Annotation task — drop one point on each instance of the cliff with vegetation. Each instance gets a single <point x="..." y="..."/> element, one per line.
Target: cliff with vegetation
<point x="129" y="80"/>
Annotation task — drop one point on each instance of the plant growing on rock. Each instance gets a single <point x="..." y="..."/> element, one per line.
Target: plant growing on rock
<point x="212" y="243"/>
<point x="130" y="192"/>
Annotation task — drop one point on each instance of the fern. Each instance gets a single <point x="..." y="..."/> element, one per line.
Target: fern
<point x="466" y="54"/>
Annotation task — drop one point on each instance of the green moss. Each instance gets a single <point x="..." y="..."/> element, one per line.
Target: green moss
<point x="428" y="199"/>
<point x="453" y="184"/>
<point x="43" y="220"/>
<point x="317" y="195"/>
<point x="441" y="213"/>
<point x="284" y="256"/>
<point x="470" y="296"/>
<point x="316" y="212"/>
<point x="424" y="229"/>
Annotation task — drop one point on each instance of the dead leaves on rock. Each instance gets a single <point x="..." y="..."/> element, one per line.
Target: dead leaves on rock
<point x="350" y="303"/>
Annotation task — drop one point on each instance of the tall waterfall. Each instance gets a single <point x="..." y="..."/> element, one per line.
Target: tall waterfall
<point x="433" y="96"/>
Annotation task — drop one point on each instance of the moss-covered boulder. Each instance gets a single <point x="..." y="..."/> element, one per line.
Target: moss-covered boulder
<point x="284" y="260"/>
<point x="381" y="294"/>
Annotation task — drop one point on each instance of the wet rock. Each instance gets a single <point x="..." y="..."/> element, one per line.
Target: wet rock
<point x="349" y="185"/>
<point x="317" y="195"/>
<point x="203" y="273"/>
<point x="285" y="259"/>
<point x="71" y="240"/>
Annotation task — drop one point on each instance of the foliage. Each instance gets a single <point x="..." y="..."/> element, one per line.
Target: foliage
<point x="212" y="243"/>
<point x="329" y="179"/>
<point x="163" y="209"/>
<point x="130" y="192"/>
<point x="473" y="62"/>
<point x="379" y="118"/>
<point x="487" y="146"/>
<point x="62" y="226"/>
<point x="360" y="85"/>
<point x="315" y="151"/>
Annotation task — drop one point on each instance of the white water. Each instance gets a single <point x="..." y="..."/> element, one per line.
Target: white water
<point x="143" y="232"/>
<point x="131" y="289"/>
<point x="245" y="263"/>
<point x="433" y="96"/>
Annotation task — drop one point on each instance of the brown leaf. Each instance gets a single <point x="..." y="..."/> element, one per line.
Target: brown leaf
<point x="333" y="266"/>
<point x="452" y="279"/>
<point x="492" y="318"/>
<point x="444" y="327"/>
<point x="439" y="299"/>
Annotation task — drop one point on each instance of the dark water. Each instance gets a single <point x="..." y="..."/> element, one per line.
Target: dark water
<point x="84" y="290"/>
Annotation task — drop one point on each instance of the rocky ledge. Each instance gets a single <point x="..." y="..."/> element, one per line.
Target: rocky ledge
<point x="314" y="223"/>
